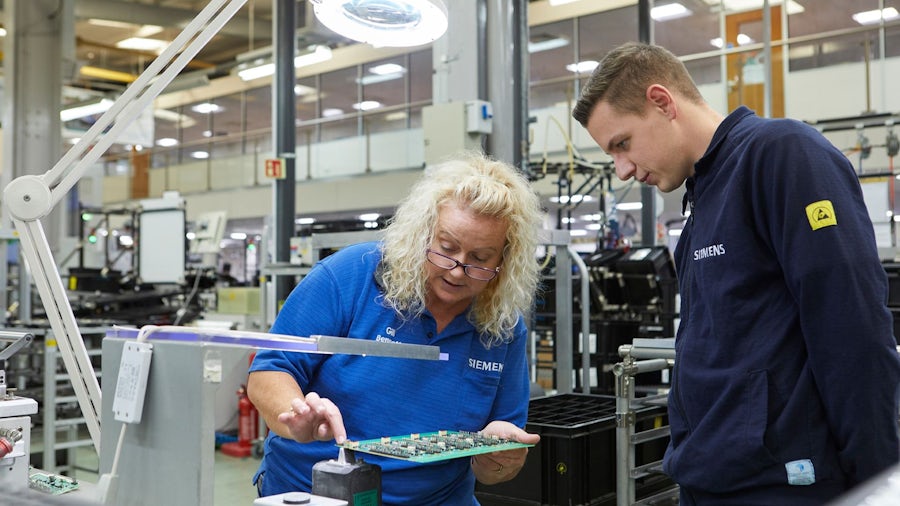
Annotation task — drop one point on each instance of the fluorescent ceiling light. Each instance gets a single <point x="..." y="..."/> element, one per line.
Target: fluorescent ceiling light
<point x="315" y="54"/>
<point x="167" y="142"/>
<point x="111" y="24"/>
<point x="547" y="44"/>
<point x="575" y="198"/>
<point x="593" y="226"/>
<point x="742" y="39"/>
<point x="368" y="217"/>
<point x="577" y="232"/>
<point x="142" y="44"/>
<point x="148" y="30"/>
<point x="83" y="109"/>
<point x="384" y="23"/>
<point x="629" y="206"/>
<point x="749" y="5"/>
<point x="2" y="32"/>
<point x="305" y="221"/>
<point x="301" y="90"/>
<point x="669" y="11"/>
<point x="387" y="69"/>
<point x="875" y="16"/>
<point x="367" y="105"/>
<point x="365" y="80"/>
<point x="257" y="71"/>
<point x="238" y="236"/>
<point x="207" y="108"/>
<point x="382" y="73"/>
<point x="200" y="155"/>
<point x="395" y="116"/>
<point x="332" y="111"/>
<point x="582" y="67"/>
<point x="181" y="120"/>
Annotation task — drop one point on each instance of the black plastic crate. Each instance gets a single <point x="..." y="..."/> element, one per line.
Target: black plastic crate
<point x="575" y="462"/>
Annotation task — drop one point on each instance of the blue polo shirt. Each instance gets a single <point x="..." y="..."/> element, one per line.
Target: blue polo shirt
<point x="381" y="396"/>
<point x="786" y="379"/>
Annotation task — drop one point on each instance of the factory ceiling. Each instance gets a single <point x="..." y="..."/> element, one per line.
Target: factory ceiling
<point x="107" y="62"/>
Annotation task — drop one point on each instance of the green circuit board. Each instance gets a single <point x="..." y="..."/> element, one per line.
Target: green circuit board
<point x="53" y="484"/>
<point x="433" y="446"/>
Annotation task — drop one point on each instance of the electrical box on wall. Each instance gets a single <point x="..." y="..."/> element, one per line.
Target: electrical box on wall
<point x="454" y="126"/>
<point x="479" y="117"/>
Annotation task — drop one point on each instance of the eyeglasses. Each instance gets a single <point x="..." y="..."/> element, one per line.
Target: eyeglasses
<point x="474" y="272"/>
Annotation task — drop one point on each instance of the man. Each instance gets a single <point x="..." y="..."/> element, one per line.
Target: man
<point x="785" y="389"/>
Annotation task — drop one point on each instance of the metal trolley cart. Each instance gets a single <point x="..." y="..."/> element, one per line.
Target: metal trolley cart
<point x="642" y="356"/>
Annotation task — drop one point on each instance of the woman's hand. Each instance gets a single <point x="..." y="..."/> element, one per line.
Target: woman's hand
<point x="314" y="419"/>
<point x="496" y="467"/>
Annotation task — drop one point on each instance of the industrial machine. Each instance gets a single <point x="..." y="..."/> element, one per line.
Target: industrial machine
<point x="15" y="420"/>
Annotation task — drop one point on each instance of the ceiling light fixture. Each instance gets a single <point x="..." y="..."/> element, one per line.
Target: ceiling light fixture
<point x="83" y="109"/>
<point x="263" y="68"/>
<point x="629" y="206"/>
<point x="367" y="105"/>
<point x="536" y="46"/>
<point x="582" y="67"/>
<point x="382" y="73"/>
<point x="732" y="6"/>
<point x="384" y="23"/>
<point x="207" y="108"/>
<point x="875" y="16"/>
<point x="387" y="68"/>
<point x="669" y="11"/>
<point x="143" y="44"/>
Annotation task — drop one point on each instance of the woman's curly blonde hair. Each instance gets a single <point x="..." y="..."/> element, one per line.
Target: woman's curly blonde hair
<point x="490" y="188"/>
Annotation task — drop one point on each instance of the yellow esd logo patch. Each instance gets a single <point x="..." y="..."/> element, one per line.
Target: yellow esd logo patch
<point x="821" y="214"/>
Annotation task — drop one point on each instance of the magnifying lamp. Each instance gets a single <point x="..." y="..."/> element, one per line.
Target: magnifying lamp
<point x="384" y="23"/>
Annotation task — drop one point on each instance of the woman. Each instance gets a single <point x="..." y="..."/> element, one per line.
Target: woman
<point x="456" y="269"/>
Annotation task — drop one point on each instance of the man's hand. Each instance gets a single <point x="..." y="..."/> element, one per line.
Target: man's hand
<point x="314" y="419"/>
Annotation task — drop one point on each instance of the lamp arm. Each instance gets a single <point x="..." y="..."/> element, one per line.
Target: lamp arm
<point x="29" y="198"/>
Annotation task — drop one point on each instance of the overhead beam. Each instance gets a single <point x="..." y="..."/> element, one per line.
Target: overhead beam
<point x="146" y="14"/>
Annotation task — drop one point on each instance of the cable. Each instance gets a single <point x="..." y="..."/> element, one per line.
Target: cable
<point x="187" y="302"/>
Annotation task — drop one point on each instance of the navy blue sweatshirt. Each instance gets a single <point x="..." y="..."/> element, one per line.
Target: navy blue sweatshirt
<point x="786" y="377"/>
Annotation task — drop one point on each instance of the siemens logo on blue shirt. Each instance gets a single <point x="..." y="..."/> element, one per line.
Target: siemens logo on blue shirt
<point x="482" y="365"/>
<point x="709" y="251"/>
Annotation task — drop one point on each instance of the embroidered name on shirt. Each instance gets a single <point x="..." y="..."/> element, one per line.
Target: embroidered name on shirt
<point x="709" y="251"/>
<point x="821" y="214"/>
<point x="482" y="365"/>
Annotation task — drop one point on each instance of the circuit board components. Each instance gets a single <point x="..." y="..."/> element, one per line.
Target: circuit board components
<point x="52" y="484"/>
<point x="433" y="446"/>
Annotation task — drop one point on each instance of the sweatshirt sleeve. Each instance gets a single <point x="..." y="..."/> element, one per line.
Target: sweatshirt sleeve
<point x="820" y="230"/>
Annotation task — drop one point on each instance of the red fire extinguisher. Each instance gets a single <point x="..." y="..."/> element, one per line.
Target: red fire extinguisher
<point x="248" y="427"/>
<point x="248" y="420"/>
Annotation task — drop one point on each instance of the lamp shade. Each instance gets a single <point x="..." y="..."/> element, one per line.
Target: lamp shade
<point x="384" y="23"/>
